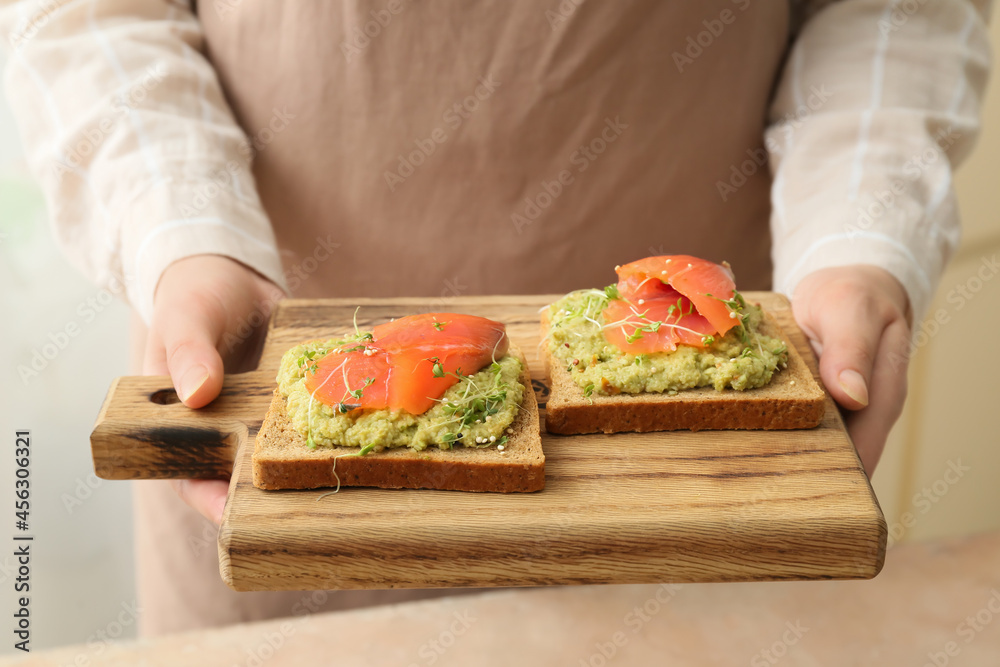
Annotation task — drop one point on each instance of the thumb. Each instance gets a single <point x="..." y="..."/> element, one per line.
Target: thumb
<point x="183" y="345"/>
<point x="848" y="336"/>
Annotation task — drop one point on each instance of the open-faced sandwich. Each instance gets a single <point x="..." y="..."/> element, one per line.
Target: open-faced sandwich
<point x="672" y="345"/>
<point x="437" y="401"/>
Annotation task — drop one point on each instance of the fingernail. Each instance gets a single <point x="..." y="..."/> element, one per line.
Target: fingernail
<point x="192" y="381"/>
<point x="854" y="386"/>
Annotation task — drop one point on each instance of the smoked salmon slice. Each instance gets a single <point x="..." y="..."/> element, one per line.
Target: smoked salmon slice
<point x="408" y="363"/>
<point x="668" y="300"/>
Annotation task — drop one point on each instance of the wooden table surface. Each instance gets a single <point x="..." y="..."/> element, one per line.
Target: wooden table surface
<point x="930" y="599"/>
<point x="624" y="508"/>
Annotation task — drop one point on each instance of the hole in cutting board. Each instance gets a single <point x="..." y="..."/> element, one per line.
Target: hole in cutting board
<point x="164" y="397"/>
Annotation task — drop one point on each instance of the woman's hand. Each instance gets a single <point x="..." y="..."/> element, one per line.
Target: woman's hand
<point x="857" y="320"/>
<point x="203" y="309"/>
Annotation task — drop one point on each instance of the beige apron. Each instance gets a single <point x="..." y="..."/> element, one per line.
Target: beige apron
<point x="456" y="147"/>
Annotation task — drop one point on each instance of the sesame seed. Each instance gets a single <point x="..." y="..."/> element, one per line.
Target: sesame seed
<point x="792" y="382"/>
<point x="500" y="447"/>
<point x="732" y="314"/>
<point x="642" y="301"/>
<point x="668" y="261"/>
<point x="510" y="430"/>
<point x="617" y="266"/>
<point x="488" y="418"/>
<point x="479" y="421"/>
<point x="690" y="265"/>
<point x="663" y="273"/>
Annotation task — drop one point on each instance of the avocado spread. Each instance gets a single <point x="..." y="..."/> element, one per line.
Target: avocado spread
<point x="741" y="359"/>
<point x="475" y="412"/>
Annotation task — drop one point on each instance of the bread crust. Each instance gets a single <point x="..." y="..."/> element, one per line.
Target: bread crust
<point x="792" y="400"/>
<point x="282" y="460"/>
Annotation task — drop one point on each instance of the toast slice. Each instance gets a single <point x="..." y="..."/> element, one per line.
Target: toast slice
<point x="281" y="459"/>
<point x="793" y="399"/>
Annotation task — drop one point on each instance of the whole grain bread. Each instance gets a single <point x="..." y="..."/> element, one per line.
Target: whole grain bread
<point x="793" y="399"/>
<point x="282" y="460"/>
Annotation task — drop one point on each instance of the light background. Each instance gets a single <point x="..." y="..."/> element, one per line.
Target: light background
<point x="82" y="564"/>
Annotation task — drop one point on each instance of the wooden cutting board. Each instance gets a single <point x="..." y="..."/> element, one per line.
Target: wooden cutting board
<point x="625" y="508"/>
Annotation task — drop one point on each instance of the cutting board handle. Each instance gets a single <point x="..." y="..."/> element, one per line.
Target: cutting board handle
<point x="144" y="432"/>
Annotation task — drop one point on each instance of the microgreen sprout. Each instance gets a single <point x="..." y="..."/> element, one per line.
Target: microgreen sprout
<point x="439" y="325"/>
<point x="307" y="360"/>
<point x="476" y="403"/>
<point x="310" y="354"/>
<point x="343" y="406"/>
<point x="361" y="452"/>
<point x="358" y="334"/>
<point x="612" y="292"/>
<point x="737" y="307"/>
<point x="641" y="323"/>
